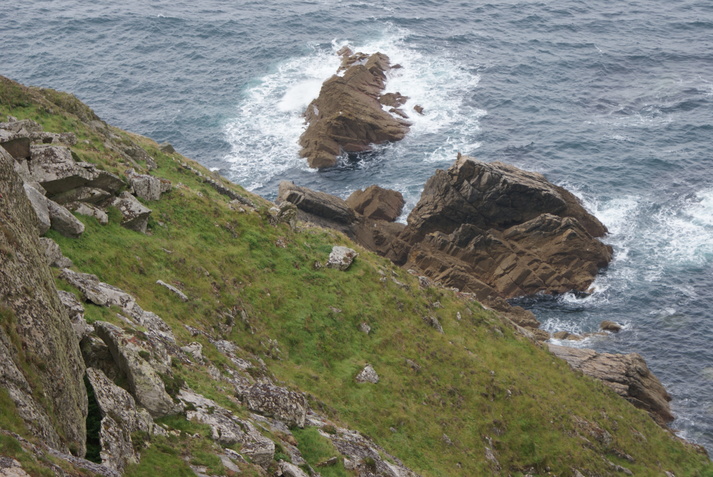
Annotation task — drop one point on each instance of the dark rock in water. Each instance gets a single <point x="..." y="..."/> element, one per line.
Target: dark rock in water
<point x="348" y="116"/>
<point x="495" y="230"/>
<point x="627" y="374"/>
<point x="378" y="203"/>
<point x="611" y="326"/>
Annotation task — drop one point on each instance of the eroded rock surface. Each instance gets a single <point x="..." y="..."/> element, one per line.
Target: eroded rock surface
<point x="627" y="374"/>
<point x="281" y="403"/>
<point x="348" y="116"/>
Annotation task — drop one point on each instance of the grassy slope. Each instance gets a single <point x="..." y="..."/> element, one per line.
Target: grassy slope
<point x="478" y="383"/>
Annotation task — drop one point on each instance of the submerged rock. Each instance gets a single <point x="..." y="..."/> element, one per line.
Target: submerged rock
<point x="347" y="116"/>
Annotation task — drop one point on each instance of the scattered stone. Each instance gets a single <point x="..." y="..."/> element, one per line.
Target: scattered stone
<point x="195" y="349"/>
<point x="147" y="187"/>
<point x="332" y="461"/>
<point x="364" y="328"/>
<point x="287" y="469"/>
<point x="610" y="326"/>
<point x="9" y="467"/>
<point x="341" y="257"/>
<point x="89" y="210"/>
<point x="566" y="335"/>
<point x="173" y="289"/>
<point x="418" y="109"/>
<point x="280" y="403"/>
<point x="166" y="148"/>
<point x="413" y="365"/>
<point x="63" y="221"/>
<point x="377" y="203"/>
<point x="367" y="375"/>
<point x="433" y="322"/>
<point x="135" y="214"/>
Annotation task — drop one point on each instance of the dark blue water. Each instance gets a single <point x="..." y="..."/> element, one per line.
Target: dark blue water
<point x="611" y="99"/>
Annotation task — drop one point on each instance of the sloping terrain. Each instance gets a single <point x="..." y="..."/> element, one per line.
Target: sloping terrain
<point x="265" y="341"/>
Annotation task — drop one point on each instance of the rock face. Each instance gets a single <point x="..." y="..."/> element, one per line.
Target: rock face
<point x="283" y="404"/>
<point x="48" y="390"/>
<point x="348" y="116"/>
<point x="626" y="374"/>
<point x="495" y="230"/>
<point x="377" y="203"/>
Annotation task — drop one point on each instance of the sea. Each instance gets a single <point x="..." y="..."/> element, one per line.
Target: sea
<point x="613" y="100"/>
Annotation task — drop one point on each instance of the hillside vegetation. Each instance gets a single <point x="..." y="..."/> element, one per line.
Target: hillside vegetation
<point x="474" y="399"/>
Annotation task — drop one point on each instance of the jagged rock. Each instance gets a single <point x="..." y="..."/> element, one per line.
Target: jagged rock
<point x="433" y="322"/>
<point x="367" y="375"/>
<point x="102" y="179"/>
<point x="318" y="204"/>
<point x="75" y="310"/>
<point x="365" y="457"/>
<point x="341" y="257"/>
<point x="54" y="407"/>
<point x="173" y="290"/>
<point x="147" y="187"/>
<point x="53" y="254"/>
<point x="610" y="326"/>
<point x="97" y="292"/>
<point x="377" y="203"/>
<point x="495" y="230"/>
<point x="195" y="349"/>
<point x="120" y="417"/>
<point x="89" y="210"/>
<point x="135" y="214"/>
<point x="40" y="204"/>
<point x="63" y="221"/>
<point x="627" y="374"/>
<point x="365" y="328"/>
<point x="145" y="383"/>
<point x="11" y="468"/>
<point x="347" y="115"/>
<point x="17" y="145"/>
<point x="56" y="170"/>
<point x="280" y="403"/>
<point x="227" y="429"/>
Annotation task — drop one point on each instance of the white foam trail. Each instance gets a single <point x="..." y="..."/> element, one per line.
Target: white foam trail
<point x="268" y="123"/>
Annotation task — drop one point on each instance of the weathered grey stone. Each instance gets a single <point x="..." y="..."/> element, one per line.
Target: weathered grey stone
<point x="53" y="254"/>
<point x="91" y="195"/>
<point x="89" y="210"/>
<point x="102" y="179"/>
<point x="75" y="310"/>
<point x="135" y="214"/>
<point x="287" y="469"/>
<point x="195" y="349"/>
<point x="365" y="457"/>
<point x="173" y="290"/>
<point x="367" y="375"/>
<point x="120" y="418"/>
<point x="63" y="221"/>
<point x="280" y="403"/>
<point x="316" y="203"/>
<point x="40" y="204"/>
<point x="147" y="187"/>
<point x="145" y="383"/>
<point x="11" y="468"/>
<point x="227" y="428"/>
<point x="56" y="170"/>
<point x="42" y="329"/>
<point x="16" y="144"/>
<point x="341" y="257"/>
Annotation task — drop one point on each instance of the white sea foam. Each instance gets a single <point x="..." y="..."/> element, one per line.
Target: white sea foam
<point x="265" y="131"/>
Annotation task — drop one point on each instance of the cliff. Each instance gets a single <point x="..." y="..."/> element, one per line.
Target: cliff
<point x="219" y="339"/>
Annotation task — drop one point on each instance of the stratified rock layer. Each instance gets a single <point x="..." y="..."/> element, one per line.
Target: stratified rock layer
<point x="348" y="116"/>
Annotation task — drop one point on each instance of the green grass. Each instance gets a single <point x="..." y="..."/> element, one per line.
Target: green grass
<point x="478" y="383"/>
<point x="317" y="449"/>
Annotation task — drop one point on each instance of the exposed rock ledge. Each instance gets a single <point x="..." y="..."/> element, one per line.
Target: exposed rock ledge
<point x="348" y="115"/>
<point x="626" y="374"/>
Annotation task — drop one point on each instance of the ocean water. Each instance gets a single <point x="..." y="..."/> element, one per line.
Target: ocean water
<point x="613" y="100"/>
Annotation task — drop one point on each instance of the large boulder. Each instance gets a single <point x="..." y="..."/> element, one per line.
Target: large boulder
<point x="56" y="170"/>
<point x="40" y="204"/>
<point x="145" y="382"/>
<point x="63" y="221"/>
<point x="347" y="115"/>
<point x="120" y="418"/>
<point x="317" y="204"/>
<point x="498" y="231"/>
<point x="627" y="374"/>
<point x="147" y="187"/>
<point x="135" y="214"/>
<point x="48" y="389"/>
<point x="287" y="406"/>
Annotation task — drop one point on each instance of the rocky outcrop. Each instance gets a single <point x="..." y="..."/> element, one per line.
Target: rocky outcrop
<point x="627" y="374"/>
<point x="120" y="418"/>
<point x="347" y="116"/>
<point x="40" y="363"/>
<point x="367" y="375"/>
<point x="377" y="203"/>
<point x="134" y="358"/>
<point x="288" y="406"/>
<point x="147" y="187"/>
<point x="135" y="214"/>
<point x="318" y="206"/>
